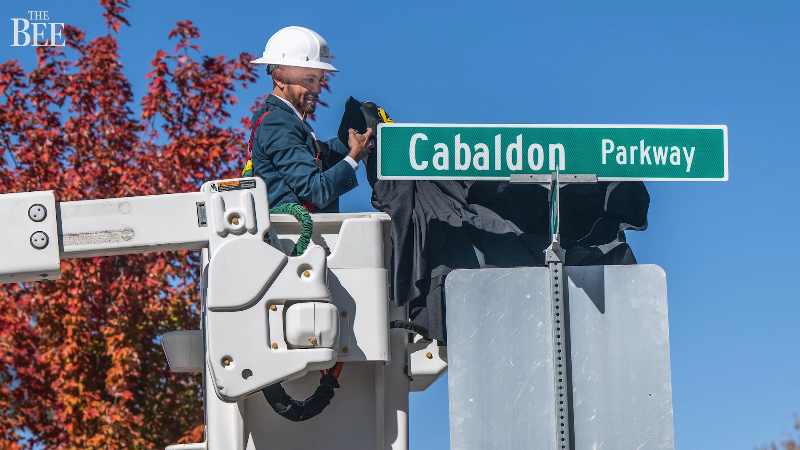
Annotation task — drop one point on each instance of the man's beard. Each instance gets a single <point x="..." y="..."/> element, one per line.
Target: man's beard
<point x="306" y="104"/>
<point x="309" y="103"/>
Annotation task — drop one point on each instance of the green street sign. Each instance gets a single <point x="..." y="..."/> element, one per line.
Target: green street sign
<point x="495" y="152"/>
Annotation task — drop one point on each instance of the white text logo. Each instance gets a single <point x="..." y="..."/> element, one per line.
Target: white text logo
<point x="42" y="33"/>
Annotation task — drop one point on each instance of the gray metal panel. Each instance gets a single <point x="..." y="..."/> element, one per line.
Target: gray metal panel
<point x="621" y="384"/>
<point x="500" y="372"/>
<point x="622" y="391"/>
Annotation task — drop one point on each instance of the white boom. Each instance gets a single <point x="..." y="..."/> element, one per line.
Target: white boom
<point x="556" y="357"/>
<point x="267" y="317"/>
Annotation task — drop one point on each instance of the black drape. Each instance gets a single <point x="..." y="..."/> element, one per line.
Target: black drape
<point x="438" y="225"/>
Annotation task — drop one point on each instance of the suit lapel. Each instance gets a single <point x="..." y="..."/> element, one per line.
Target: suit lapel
<point x="279" y="103"/>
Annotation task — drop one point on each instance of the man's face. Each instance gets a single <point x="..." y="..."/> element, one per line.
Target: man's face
<point x="302" y="86"/>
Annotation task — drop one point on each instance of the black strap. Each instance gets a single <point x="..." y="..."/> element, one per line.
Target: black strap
<point x="419" y="329"/>
<point x="298" y="411"/>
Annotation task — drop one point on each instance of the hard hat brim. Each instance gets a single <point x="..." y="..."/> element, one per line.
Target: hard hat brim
<point x="308" y="64"/>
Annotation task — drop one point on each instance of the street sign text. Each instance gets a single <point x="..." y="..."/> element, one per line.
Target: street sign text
<point x="612" y="152"/>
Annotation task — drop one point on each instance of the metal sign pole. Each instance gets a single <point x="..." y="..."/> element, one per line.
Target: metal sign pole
<point x="560" y="355"/>
<point x="554" y="258"/>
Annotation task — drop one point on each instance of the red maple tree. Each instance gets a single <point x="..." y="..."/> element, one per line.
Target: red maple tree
<point x="81" y="360"/>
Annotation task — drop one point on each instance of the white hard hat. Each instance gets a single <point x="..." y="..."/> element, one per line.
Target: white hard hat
<point x="298" y="47"/>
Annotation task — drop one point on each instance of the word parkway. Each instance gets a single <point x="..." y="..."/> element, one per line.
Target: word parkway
<point x="659" y="154"/>
<point x="612" y="152"/>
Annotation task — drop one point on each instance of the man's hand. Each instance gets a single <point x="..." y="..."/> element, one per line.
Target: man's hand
<point x="360" y="144"/>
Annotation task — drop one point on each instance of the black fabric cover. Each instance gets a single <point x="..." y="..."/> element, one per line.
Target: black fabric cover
<point x="296" y="410"/>
<point x="436" y="226"/>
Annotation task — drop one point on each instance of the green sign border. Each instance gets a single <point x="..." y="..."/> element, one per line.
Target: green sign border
<point x="724" y="129"/>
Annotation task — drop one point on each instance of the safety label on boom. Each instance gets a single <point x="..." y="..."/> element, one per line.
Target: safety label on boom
<point x="234" y="185"/>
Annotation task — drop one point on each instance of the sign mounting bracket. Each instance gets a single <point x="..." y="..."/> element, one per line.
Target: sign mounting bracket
<point x="546" y="179"/>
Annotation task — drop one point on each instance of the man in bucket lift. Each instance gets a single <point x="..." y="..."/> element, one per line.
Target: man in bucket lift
<point x="285" y="153"/>
<point x="299" y="169"/>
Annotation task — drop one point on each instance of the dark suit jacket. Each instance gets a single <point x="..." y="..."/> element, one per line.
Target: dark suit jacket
<point x="283" y="156"/>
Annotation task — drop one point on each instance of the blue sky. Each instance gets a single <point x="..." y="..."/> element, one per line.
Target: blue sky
<point x="729" y="249"/>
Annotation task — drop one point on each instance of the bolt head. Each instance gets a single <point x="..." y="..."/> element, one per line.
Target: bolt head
<point x="39" y="240"/>
<point x="37" y="212"/>
<point x="313" y="341"/>
<point x="429" y="355"/>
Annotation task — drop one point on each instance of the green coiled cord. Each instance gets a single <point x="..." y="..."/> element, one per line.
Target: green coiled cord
<point x="306" y="224"/>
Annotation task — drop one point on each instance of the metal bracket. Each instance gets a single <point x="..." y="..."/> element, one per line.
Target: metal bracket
<point x="546" y="178"/>
<point x="554" y="254"/>
<point x="202" y="217"/>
